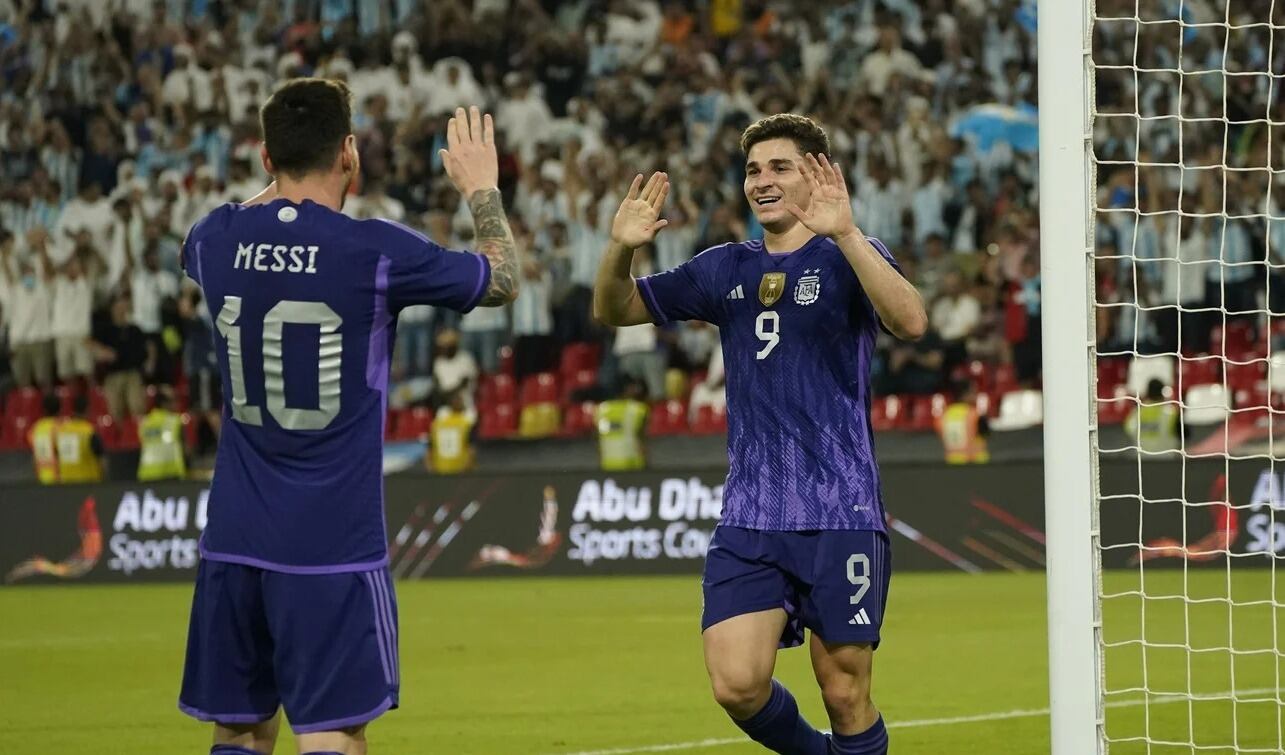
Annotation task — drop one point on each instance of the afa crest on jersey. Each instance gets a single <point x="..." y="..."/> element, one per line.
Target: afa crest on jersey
<point x="808" y="289"/>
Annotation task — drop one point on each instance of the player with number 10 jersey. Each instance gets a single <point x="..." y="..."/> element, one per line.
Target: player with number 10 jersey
<point x="802" y="542"/>
<point x="294" y="607"/>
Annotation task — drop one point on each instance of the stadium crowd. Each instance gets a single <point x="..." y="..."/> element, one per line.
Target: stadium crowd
<point x="122" y="122"/>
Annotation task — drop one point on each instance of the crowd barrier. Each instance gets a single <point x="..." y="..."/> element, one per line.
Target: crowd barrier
<point x="967" y="518"/>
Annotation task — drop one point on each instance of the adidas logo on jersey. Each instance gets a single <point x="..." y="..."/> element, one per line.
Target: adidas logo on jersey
<point x="736" y="293"/>
<point x="860" y="618"/>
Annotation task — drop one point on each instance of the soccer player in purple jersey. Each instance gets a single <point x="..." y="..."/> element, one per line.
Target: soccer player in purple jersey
<point x="802" y="542"/>
<point x="294" y="607"/>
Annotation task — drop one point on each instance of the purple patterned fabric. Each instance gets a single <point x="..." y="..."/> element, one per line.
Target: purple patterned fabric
<point x="800" y="446"/>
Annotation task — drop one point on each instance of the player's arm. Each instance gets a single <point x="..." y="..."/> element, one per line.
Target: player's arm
<point x="616" y="298"/>
<point x="899" y="305"/>
<point x="473" y="167"/>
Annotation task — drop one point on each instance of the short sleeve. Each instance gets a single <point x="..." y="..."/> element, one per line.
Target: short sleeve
<point x="685" y="292"/>
<point x="421" y="272"/>
<point x="189" y="255"/>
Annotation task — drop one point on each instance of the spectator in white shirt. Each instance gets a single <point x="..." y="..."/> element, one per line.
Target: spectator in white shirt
<point x="712" y="391"/>
<point x="151" y="287"/>
<point x="880" y="203"/>
<point x="887" y="61"/>
<point x="30" y="337"/>
<point x="454" y="369"/>
<point x="533" y="346"/>
<point x="955" y="316"/>
<point x="483" y="332"/>
<point x="90" y="212"/>
<point x="73" y="297"/>
<point x="637" y="357"/>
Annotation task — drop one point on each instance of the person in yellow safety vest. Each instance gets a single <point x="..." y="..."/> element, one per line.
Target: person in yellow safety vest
<point x="620" y="427"/>
<point x="80" y="450"/>
<point x="43" y="440"/>
<point x="1153" y="423"/>
<point x="160" y="438"/>
<point x="963" y="431"/>
<point x="452" y="451"/>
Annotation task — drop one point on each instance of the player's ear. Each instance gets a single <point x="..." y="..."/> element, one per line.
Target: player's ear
<point x="348" y="155"/>
<point x="267" y="161"/>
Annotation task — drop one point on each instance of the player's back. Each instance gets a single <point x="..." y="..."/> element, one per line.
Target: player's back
<point x="304" y="300"/>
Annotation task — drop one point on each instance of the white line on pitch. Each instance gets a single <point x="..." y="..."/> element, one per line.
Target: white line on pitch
<point x="1164" y="699"/>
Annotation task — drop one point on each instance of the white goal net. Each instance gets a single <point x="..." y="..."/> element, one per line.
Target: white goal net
<point x="1187" y="209"/>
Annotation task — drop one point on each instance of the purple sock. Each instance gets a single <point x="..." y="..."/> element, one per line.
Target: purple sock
<point x="780" y="728"/>
<point x="872" y="741"/>
<point x="327" y="752"/>
<point x="232" y="750"/>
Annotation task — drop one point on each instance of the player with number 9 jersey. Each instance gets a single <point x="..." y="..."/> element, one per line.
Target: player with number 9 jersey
<point x="294" y="607"/>
<point x="802" y="542"/>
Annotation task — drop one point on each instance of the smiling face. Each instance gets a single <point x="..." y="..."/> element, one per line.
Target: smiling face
<point x="773" y="180"/>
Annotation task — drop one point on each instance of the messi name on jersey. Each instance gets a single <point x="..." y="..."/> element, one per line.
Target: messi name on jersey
<point x="276" y="258"/>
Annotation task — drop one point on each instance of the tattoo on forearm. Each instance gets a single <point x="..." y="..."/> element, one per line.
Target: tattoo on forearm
<point x="495" y="240"/>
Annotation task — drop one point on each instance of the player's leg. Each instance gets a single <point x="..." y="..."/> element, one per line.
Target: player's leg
<point x="350" y="741"/>
<point x="246" y="739"/>
<point x="844" y="674"/>
<point x="228" y="677"/>
<point x="335" y="656"/>
<point x="849" y="573"/>
<point x="745" y="616"/>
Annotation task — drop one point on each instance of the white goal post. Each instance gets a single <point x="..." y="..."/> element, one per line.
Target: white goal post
<point x="1162" y="261"/>
<point x="1066" y="249"/>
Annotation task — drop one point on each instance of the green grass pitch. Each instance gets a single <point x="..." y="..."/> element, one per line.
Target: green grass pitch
<point x="613" y="665"/>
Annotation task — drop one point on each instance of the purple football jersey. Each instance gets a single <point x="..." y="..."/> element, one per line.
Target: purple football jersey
<point x="305" y="301"/>
<point x="798" y="332"/>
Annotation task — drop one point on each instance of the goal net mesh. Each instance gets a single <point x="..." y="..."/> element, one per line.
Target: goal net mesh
<point x="1188" y="159"/>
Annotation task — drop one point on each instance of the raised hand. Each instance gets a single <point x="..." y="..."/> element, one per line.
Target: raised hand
<point x="830" y="211"/>
<point x="469" y="157"/>
<point x="638" y="218"/>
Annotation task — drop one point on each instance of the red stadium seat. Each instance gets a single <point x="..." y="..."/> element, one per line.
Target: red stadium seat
<point x="709" y="422"/>
<point x="667" y="418"/>
<point x="1246" y="376"/>
<point x="127" y="437"/>
<point x="498" y="421"/>
<point x="506" y="360"/>
<point x="538" y="389"/>
<point x="1005" y="378"/>
<point x="886" y="413"/>
<point x="1236" y="341"/>
<point x="578" y="380"/>
<point x="14" y="433"/>
<point x="97" y="403"/>
<point x="1199" y="371"/>
<point x="415" y="423"/>
<point x="189" y="430"/>
<point x="920" y="416"/>
<point x="505" y="391"/>
<point x="1111" y="374"/>
<point x="577" y="419"/>
<point x="24" y="402"/>
<point x="66" y="399"/>
<point x="576" y="357"/>
<point x="107" y="431"/>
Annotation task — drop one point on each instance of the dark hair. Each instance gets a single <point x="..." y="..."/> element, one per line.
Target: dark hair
<point x="52" y="404"/>
<point x="305" y="122"/>
<point x="1155" y="389"/>
<point x="803" y="131"/>
<point x="80" y="404"/>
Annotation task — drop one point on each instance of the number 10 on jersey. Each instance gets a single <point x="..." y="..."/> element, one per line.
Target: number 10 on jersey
<point x="329" y="363"/>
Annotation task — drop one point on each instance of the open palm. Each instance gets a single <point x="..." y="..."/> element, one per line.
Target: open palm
<point x="830" y="211"/>
<point x="638" y="218"/>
